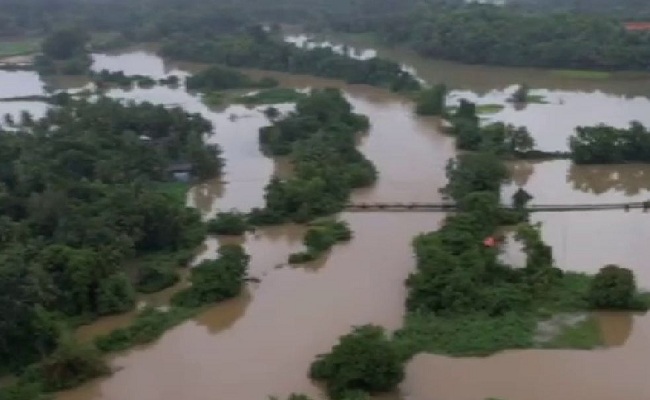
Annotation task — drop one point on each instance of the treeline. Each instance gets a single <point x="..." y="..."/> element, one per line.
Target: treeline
<point x="604" y="144"/>
<point x="256" y="48"/>
<point x="320" y="139"/>
<point x="105" y="78"/>
<point x="80" y="199"/>
<point x="486" y="34"/>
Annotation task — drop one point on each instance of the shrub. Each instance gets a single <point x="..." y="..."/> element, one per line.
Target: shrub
<point x="364" y="360"/>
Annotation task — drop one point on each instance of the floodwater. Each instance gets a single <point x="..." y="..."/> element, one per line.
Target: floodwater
<point x="262" y="342"/>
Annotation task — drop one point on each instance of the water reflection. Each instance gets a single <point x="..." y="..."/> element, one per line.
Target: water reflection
<point x="578" y="184"/>
<point x="615" y="327"/>
<point x="630" y="179"/>
<point x="136" y="62"/>
<point x="224" y="315"/>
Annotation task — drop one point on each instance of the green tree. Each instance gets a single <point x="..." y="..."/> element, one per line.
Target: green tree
<point x="217" y="280"/>
<point x="232" y="223"/>
<point x="432" y="101"/>
<point x="65" y="44"/>
<point x="116" y="295"/>
<point x="613" y="287"/>
<point x="364" y="360"/>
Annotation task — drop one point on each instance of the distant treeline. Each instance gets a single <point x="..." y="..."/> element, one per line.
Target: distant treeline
<point x="256" y="48"/>
<point x="485" y="34"/>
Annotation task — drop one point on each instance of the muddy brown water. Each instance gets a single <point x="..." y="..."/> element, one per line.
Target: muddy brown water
<point x="262" y="343"/>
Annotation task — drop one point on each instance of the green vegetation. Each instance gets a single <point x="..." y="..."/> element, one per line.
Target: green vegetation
<point x="604" y="144"/>
<point x="175" y="190"/>
<point x="147" y="327"/>
<point x="489" y="108"/>
<point x="64" y="52"/>
<point x="320" y="139"/>
<point x="272" y="96"/>
<point x="463" y="300"/>
<point x="582" y="74"/>
<point x="614" y="288"/>
<point x="320" y="237"/>
<point x="80" y="205"/>
<point x="431" y="101"/>
<point x="69" y="365"/>
<point x="19" y="47"/>
<point x="158" y="271"/>
<point x="584" y="335"/>
<point x="215" y="280"/>
<point x="491" y="34"/>
<point x="256" y="48"/>
<point x="221" y="78"/>
<point x="497" y="138"/>
<point x="105" y="77"/>
<point x="228" y="224"/>
<point x="475" y="334"/>
<point x="363" y="361"/>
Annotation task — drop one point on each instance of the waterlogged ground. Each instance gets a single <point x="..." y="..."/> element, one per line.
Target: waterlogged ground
<point x="261" y="343"/>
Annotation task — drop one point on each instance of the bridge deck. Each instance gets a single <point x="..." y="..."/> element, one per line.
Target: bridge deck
<point x="448" y="207"/>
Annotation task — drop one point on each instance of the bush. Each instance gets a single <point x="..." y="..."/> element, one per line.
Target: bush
<point x="431" y="101"/>
<point x="614" y="287"/>
<point x="364" y="360"/>
<point x="68" y="366"/>
<point x="154" y="278"/>
<point x="116" y="295"/>
<point x="320" y="237"/>
<point x="148" y="326"/>
<point x="215" y="280"/>
<point x="231" y="223"/>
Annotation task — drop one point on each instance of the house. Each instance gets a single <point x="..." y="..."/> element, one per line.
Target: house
<point x="180" y="171"/>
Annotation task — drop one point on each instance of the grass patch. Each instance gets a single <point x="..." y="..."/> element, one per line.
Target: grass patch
<point x="536" y="99"/>
<point x="271" y="96"/>
<point x="19" y="47"/>
<point x="176" y="190"/>
<point x="489" y="108"/>
<point x="467" y="335"/>
<point x="147" y="327"/>
<point x="481" y="335"/>
<point x="215" y="99"/>
<point x="584" y="335"/>
<point x="581" y="74"/>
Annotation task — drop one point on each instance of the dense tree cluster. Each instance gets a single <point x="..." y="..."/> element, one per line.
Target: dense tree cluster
<point x="221" y="78"/>
<point x="320" y="138"/>
<point x="258" y="49"/>
<point x="486" y="34"/>
<point x="79" y="199"/>
<point x="320" y="237"/>
<point x="216" y="280"/>
<point x="497" y="138"/>
<point x="363" y="361"/>
<point x="64" y="52"/>
<point x="604" y="144"/>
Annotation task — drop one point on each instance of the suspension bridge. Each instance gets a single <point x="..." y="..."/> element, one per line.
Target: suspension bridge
<point x="450" y="207"/>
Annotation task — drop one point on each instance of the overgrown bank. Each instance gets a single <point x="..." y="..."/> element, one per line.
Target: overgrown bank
<point x="86" y="225"/>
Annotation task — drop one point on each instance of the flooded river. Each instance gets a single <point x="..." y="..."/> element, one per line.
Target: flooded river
<point x="262" y="343"/>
